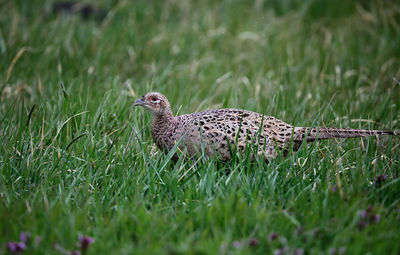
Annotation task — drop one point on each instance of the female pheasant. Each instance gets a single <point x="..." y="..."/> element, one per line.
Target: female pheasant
<point x="224" y="131"/>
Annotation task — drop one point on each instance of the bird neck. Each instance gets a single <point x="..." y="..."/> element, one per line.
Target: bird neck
<point x="163" y="120"/>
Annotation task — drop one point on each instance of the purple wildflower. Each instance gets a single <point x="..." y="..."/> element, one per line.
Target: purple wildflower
<point x="273" y="236"/>
<point x="282" y="251"/>
<point x="364" y="214"/>
<point x="237" y="244"/>
<point x="24" y="237"/>
<point x="75" y="253"/>
<point x="368" y="216"/>
<point x="254" y="242"/>
<point x="85" y="242"/>
<point x="334" y="189"/>
<point x="380" y="179"/>
<point x="21" y="245"/>
<point x="298" y="251"/>
<point x="15" y="247"/>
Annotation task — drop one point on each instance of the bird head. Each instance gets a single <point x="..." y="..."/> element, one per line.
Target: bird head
<point x="154" y="102"/>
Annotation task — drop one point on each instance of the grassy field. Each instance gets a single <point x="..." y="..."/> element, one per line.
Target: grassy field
<point x="77" y="160"/>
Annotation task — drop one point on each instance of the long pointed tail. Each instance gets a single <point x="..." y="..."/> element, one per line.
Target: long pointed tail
<point x="326" y="133"/>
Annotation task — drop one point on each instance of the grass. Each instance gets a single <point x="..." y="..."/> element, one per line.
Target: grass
<point x="77" y="159"/>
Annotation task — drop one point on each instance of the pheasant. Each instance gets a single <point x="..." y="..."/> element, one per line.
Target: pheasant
<point x="223" y="132"/>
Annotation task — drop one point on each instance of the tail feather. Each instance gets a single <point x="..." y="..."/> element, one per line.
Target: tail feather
<point x="312" y="134"/>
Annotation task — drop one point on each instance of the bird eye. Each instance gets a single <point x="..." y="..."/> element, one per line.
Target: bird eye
<point x="154" y="99"/>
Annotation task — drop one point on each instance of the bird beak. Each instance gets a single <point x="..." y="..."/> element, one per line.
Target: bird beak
<point x="139" y="102"/>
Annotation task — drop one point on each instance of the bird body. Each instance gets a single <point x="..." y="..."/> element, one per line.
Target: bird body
<point x="223" y="132"/>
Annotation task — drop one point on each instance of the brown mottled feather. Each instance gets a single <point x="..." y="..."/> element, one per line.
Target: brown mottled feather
<point x="219" y="131"/>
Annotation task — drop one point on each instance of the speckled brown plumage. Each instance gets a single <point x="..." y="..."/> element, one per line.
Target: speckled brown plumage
<point x="224" y="131"/>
